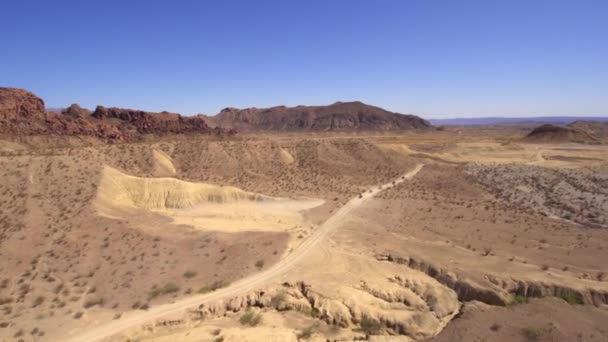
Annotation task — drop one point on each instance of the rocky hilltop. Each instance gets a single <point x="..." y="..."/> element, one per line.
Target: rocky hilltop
<point x="23" y="114"/>
<point x="560" y="134"/>
<point x="340" y="116"/>
<point x="596" y="128"/>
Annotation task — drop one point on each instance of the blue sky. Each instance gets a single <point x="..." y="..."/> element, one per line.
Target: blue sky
<point x="437" y="59"/>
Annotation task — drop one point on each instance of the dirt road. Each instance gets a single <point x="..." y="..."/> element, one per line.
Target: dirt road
<point x="137" y="318"/>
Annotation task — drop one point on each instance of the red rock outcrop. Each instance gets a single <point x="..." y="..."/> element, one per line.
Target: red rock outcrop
<point x="151" y="123"/>
<point x="20" y="105"/>
<point x="75" y="111"/>
<point x="23" y="114"/>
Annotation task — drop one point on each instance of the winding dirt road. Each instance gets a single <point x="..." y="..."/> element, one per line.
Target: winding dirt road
<point x="137" y="318"/>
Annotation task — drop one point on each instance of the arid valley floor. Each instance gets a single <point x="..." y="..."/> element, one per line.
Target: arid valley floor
<point x="468" y="235"/>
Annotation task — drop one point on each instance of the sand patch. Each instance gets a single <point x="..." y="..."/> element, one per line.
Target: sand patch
<point x="163" y="165"/>
<point x="285" y="157"/>
<point x="6" y="145"/>
<point x="202" y="206"/>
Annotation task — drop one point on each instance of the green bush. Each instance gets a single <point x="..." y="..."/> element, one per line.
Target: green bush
<point x="189" y="274"/>
<point x="250" y="318"/>
<point x="307" y="332"/>
<point x="278" y="299"/>
<point x="532" y="334"/>
<point x="214" y="286"/>
<point x="370" y="326"/>
<point x="161" y="291"/>
<point x="571" y="298"/>
<point x="519" y="299"/>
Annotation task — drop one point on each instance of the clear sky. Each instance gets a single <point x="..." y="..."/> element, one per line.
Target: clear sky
<point x="437" y="59"/>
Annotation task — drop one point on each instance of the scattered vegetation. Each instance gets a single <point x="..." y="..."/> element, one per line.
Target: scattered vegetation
<point x="161" y="291"/>
<point x="519" y="299"/>
<point x="277" y="299"/>
<point x="370" y="326"/>
<point x="308" y="332"/>
<point x="189" y="274"/>
<point x="39" y="300"/>
<point x="250" y="318"/>
<point x="571" y="298"/>
<point x="214" y="286"/>
<point x="93" y="301"/>
<point x="532" y="333"/>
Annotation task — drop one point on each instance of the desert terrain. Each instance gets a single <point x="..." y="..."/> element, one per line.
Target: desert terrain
<point x="348" y="223"/>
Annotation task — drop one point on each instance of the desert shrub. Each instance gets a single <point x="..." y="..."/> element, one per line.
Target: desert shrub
<point x="39" y="300"/>
<point x="259" y="263"/>
<point x="78" y="315"/>
<point x="219" y="339"/>
<point x="93" y="301"/>
<point x="307" y="332"/>
<point x="519" y="299"/>
<point x="214" y="286"/>
<point x="532" y="334"/>
<point x="370" y="326"/>
<point x="495" y="327"/>
<point x="19" y="333"/>
<point x="6" y="300"/>
<point x="250" y="318"/>
<point x="161" y="291"/>
<point x="571" y="298"/>
<point x="278" y="299"/>
<point x="189" y="274"/>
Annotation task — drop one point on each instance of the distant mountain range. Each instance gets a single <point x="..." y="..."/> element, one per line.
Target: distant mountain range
<point x="559" y="120"/>
<point x="24" y="114"/>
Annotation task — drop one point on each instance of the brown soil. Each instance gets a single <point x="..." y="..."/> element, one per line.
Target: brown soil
<point x="483" y="220"/>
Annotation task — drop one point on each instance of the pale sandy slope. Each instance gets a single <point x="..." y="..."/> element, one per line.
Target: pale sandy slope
<point x="137" y="318"/>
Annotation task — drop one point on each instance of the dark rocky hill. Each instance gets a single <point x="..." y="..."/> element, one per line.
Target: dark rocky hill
<point x="340" y="116"/>
<point x="598" y="129"/>
<point x="560" y="134"/>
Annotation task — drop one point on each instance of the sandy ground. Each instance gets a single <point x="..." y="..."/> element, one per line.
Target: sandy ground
<point x="492" y="240"/>
<point x="247" y="284"/>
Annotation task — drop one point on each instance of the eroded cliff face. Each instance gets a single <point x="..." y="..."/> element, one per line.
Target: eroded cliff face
<point x="404" y="296"/>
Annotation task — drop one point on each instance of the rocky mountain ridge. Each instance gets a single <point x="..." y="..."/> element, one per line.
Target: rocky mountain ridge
<point x="23" y="114"/>
<point x="339" y="116"/>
